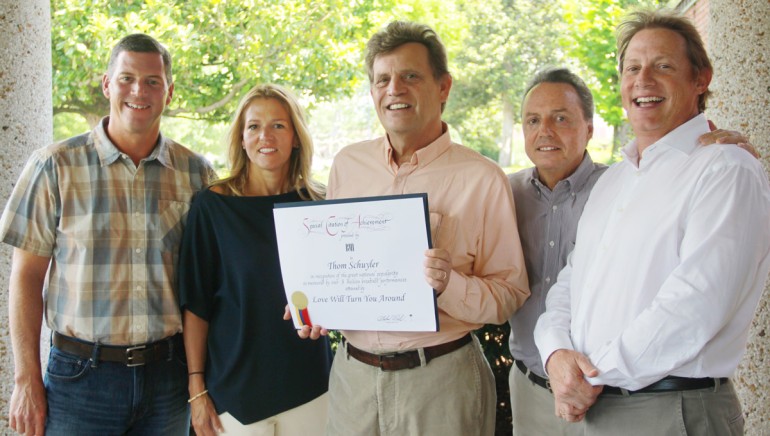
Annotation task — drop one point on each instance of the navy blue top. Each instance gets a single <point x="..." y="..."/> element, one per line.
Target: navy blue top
<point x="229" y="275"/>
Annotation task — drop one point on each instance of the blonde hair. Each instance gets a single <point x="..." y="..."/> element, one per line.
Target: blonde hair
<point x="301" y="160"/>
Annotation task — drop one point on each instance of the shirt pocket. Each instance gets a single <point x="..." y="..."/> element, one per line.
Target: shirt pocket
<point x="443" y="230"/>
<point x="172" y="215"/>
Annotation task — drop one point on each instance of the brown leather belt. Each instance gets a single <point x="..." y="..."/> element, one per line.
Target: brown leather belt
<point x="134" y="355"/>
<point x="670" y="384"/>
<point x="406" y="359"/>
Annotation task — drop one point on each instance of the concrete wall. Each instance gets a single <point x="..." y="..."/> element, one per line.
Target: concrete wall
<point x="26" y="123"/>
<point x="739" y="46"/>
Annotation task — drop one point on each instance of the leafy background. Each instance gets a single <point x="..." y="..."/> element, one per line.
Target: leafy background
<point x="222" y="48"/>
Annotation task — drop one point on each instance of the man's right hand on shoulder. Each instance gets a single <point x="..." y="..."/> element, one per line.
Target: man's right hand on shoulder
<point x="306" y="331"/>
<point x="573" y="395"/>
<point x="28" y="407"/>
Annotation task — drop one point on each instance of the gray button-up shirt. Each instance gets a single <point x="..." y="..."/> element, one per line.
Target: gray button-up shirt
<point x="547" y="223"/>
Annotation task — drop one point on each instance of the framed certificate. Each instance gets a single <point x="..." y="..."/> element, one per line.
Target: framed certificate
<point x="357" y="264"/>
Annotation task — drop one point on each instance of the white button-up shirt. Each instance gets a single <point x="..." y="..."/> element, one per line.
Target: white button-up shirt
<point x="670" y="261"/>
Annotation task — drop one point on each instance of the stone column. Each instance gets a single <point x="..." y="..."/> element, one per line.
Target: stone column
<point x="26" y="123"/>
<point x="739" y="44"/>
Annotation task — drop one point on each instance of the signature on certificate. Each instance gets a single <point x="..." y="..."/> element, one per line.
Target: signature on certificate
<point x="394" y="318"/>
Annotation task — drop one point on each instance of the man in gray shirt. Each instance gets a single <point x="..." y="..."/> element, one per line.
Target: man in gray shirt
<point x="557" y="114"/>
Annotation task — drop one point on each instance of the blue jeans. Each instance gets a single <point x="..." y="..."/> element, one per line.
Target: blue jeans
<point x="113" y="399"/>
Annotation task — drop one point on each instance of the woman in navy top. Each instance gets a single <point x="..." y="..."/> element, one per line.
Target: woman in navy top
<point x="248" y="368"/>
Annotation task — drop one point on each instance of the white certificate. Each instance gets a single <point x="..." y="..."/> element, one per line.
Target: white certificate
<point x="357" y="264"/>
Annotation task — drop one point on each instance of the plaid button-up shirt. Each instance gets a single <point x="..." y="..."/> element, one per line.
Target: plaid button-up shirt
<point x="112" y="230"/>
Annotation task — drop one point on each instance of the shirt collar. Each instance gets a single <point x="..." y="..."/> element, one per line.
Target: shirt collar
<point x="108" y="153"/>
<point x="683" y="139"/>
<point x="423" y="156"/>
<point x="574" y="182"/>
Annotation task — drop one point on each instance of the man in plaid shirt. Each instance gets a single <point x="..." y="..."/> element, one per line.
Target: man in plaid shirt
<point x="95" y="222"/>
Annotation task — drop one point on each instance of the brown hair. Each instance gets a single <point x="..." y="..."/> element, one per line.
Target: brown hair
<point x="666" y="19"/>
<point x="399" y="33"/>
<point x="141" y="43"/>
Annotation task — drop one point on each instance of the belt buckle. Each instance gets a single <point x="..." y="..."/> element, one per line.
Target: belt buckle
<point x="381" y="358"/>
<point x="130" y="355"/>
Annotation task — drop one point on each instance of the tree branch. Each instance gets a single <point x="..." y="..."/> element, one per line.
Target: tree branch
<point x="214" y="106"/>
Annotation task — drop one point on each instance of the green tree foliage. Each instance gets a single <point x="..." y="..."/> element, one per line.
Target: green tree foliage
<point x="220" y="48"/>
<point x="589" y="38"/>
<point x="504" y="43"/>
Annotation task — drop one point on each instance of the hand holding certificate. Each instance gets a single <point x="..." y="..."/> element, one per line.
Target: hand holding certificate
<point x="357" y="264"/>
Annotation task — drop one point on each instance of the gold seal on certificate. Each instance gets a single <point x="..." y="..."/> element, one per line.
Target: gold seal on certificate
<point x="301" y="314"/>
<point x="358" y="262"/>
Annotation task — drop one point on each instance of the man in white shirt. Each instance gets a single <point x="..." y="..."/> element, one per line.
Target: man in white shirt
<point x="650" y="316"/>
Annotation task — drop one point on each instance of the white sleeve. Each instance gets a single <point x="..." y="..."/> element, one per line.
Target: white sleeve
<point x="552" y="331"/>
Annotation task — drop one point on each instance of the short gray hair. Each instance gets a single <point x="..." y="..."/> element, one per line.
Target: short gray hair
<point x="564" y="75"/>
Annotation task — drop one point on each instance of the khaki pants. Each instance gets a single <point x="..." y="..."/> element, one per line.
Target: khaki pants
<point x="452" y="395"/>
<point x="532" y="408"/>
<point x="702" y="412"/>
<point x="307" y="420"/>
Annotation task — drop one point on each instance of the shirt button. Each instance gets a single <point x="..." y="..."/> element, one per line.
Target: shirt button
<point x="548" y="280"/>
<point x="555" y="207"/>
<point x="138" y="288"/>
<point x="138" y="250"/>
<point x="551" y="244"/>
